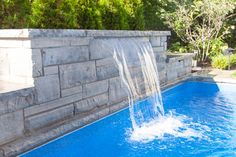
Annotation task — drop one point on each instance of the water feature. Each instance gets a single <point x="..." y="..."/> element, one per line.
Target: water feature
<point x="138" y="71"/>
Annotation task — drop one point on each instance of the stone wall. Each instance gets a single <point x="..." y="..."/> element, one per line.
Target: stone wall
<point x="71" y="77"/>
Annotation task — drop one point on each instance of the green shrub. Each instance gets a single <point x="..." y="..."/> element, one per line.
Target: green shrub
<point x="234" y="75"/>
<point x="233" y="59"/>
<point x="216" y="47"/>
<point x="221" y="61"/>
<point x="54" y="14"/>
<point x="14" y="13"/>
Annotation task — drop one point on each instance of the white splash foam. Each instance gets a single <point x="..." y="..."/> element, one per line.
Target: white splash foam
<point x="176" y="126"/>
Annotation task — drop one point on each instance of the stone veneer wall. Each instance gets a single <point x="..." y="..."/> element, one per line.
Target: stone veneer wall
<point x="70" y="78"/>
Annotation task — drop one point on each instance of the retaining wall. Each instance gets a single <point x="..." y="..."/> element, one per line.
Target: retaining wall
<point x="71" y="78"/>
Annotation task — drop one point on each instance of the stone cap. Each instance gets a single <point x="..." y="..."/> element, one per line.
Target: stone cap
<point x="44" y="33"/>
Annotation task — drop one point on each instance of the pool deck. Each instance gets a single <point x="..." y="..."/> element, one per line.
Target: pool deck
<point x="215" y="75"/>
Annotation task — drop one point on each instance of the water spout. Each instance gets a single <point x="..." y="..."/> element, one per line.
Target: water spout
<point x="138" y="71"/>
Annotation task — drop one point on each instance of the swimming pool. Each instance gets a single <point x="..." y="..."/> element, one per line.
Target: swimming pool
<point x="209" y="105"/>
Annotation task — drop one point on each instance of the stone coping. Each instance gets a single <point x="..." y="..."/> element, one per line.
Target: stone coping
<point x="6" y="87"/>
<point x="54" y="33"/>
<point x="178" y="57"/>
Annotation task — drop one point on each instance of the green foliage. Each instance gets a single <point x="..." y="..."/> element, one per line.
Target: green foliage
<point x="234" y="75"/>
<point x="84" y="14"/>
<point x="89" y="14"/>
<point x="114" y="13"/>
<point x="178" y="47"/>
<point x="222" y="62"/>
<point x="219" y="62"/>
<point x="199" y="23"/>
<point x="14" y="14"/>
<point x="217" y="46"/>
<point x="54" y="14"/>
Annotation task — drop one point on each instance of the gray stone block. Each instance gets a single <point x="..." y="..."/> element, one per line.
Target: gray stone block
<point x="155" y="41"/>
<point x="108" y="71"/>
<point x="160" y="57"/>
<point x="116" y="107"/>
<point x="16" y="100"/>
<point x="64" y="55"/>
<point x="106" y="68"/>
<point x="1" y="153"/>
<point x="95" y="88"/>
<point x="125" y="33"/>
<point x="91" y="103"/>
<point x="37" y="62"/>
<point x="158" y="49"/>
<point x="164" y="38"/>
<point x="71" y="91"/>
<point x="102" y="113"/>
<point x="47" y="88"/>
<point x="80" y="41"/>
<point x="50" y="117"/>
<point x="51" y="70"/>
<point x="105" y="61"/>
<point x="46" y="43"/>
<point x="171" y="75"/>
<point x="101" y="48"/>
<point x="117" y="91"/>
<point x="52" y="104"/>
<point x="77" y="74"/>
<point x="11" y="126"/>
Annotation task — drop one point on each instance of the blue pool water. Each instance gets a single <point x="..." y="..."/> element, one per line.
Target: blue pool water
<point x="210" y="107"/>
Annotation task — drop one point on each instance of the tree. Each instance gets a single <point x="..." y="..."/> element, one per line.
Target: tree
<point x="199" y="22"/>
<point x="135" y="10"/>
<point x="89" y="14"/>
<point x="14" y="14"/>
<point x="54" y="14"/>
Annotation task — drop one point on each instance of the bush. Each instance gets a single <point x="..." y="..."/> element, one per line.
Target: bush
<point x="64" y="14"/>
<point x="221" y="61"/>
<point x="54" y="14"/>
<point x="14" y="13"/>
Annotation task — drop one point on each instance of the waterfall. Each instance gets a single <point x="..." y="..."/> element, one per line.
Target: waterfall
<point x="137" y="67"/>
<point x="138" y="71"/>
